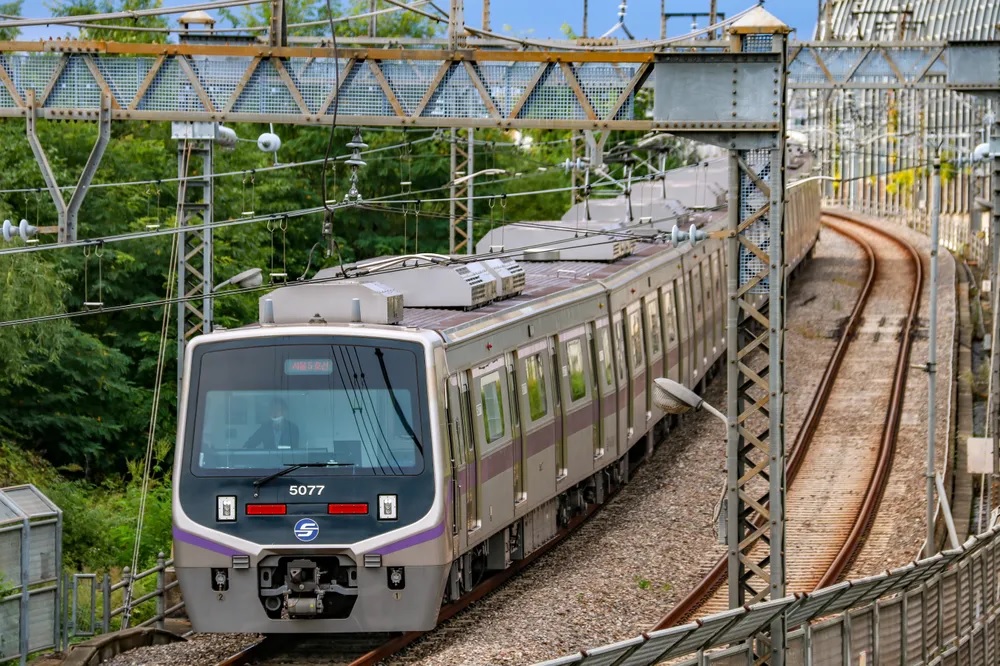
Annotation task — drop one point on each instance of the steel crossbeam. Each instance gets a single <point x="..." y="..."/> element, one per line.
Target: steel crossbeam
<point x="379" y="87"/>
<point x="867" y="65"/>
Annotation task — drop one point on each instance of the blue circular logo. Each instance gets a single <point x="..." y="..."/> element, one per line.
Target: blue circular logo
<point x="306" y="529"/>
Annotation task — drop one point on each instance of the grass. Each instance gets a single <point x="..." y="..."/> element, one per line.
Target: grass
<point x="99" y="521"/>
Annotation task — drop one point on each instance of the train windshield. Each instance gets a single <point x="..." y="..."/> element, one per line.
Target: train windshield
<point x="262" y="407"/>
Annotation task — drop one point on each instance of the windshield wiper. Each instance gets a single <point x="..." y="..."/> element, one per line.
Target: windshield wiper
<point x="257" y="483"/>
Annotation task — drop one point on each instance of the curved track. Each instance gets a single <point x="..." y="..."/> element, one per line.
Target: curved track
<point x="831" y="504"/>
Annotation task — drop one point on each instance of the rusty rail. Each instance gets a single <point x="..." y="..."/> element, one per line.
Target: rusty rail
<point x="687" y="607"/>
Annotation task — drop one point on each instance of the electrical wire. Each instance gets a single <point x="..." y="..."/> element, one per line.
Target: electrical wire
<point x="232" y="292"/>
<point x="302" y="212"/>
<point x="242" y="172"/>
<point x="128" y="14"/>
<point x="644" y="45"/>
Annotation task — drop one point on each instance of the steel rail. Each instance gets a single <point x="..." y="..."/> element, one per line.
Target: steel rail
<point x="688" y="606"/>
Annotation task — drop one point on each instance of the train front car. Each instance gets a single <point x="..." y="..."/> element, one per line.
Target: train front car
<point x="305" y="482"/>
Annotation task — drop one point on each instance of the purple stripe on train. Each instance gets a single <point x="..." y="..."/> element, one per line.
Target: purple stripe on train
<point x="412" y="540"/>
<point x="201" y="542"/>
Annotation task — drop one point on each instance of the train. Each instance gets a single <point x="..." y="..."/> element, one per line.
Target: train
<point x="393" y="431"/>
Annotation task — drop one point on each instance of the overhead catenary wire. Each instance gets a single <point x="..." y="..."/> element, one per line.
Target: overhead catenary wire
<point x="303" y="212"/>
<point x="227" y="174"/>
<point x="507" y="252"/>
<point x="127" y="14"/>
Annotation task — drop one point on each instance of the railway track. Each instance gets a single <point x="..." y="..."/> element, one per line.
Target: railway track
<point x="830" y="504"/>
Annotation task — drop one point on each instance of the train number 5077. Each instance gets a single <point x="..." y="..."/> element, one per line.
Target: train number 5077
<point x="306" y="490"/>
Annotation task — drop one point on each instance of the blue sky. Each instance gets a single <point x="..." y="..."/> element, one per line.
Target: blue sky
<point x="543" y="18"/>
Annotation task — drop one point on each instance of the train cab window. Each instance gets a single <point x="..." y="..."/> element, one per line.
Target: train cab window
<point x="635" y="333"/>
<point x="604" y="355"/>
<point x="577" y="380"/>
<point x="492" y="406"/>
<point x="534" y="370"/>
<point x="655" y="334"/>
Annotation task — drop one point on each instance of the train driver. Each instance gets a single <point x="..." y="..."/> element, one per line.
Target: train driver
<point x="276" y="433"/>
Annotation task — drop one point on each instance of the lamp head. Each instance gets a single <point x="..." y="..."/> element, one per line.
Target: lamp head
<point x="674" y="398"/>
<point x="248" y="278"/>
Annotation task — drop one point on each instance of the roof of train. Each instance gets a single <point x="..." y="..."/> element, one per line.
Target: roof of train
<point x="694" y="186"/>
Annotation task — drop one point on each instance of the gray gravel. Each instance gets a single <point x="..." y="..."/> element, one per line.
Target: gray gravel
<point x="200" y="649"/>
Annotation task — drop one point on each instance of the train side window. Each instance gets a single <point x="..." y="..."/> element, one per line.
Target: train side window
<point x="655" y="334"/>
<point x="635" y="331"/>
<point x="577" y="380"/>
<point x="682" y="307"/>
<point x="490" y="391"/>
<point x="604" y="355"/>
<point x="668" y="315"/>
<point x="534" y="370"/>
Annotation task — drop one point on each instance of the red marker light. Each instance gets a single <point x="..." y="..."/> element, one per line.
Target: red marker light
<point x="266" y="509"/>
<point x="350" y="509"/>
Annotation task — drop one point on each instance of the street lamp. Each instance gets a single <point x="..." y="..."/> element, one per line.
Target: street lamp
<point x="675" y="398"/>
<point x="248" y="279"/>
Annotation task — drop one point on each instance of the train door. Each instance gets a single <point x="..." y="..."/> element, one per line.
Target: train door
<point x="686" y="356"/>
<point x="654" y="345"/>
<point x="516" y="432"/>
<point x="698" y="314"/>
<point x="492" y="418"/>
<point x="456" y="437"/>
<point x="624" y="407"/>
<point x="604" y="376"/>
<point x="536" y="397"/>
<point x="577" y="400"/>
<point x="561" y="432"/>
<point x="635" y="348"/>
<point x="671" y="354"/>
<point x="472" y="462"/>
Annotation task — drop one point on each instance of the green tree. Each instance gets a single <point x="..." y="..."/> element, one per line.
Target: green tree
<point x="11" y="9"/>
<point x="146" y="24"/>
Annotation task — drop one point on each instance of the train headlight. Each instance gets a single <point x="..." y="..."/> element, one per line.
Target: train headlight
<point x="225" y="508"/>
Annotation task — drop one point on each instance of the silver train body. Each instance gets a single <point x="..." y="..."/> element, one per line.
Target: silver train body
<point x="443" y="446"/>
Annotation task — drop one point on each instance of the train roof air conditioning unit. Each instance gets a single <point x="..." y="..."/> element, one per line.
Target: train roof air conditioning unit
<point x="332" y="302"/>
<point x="541" y="241"/>
<point x="509" y="275"/>
<point x="426" y="280"/>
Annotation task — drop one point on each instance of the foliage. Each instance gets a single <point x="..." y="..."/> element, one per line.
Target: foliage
<point x="84" y="7"/>
<point x="79" y="391"/>
<point x="11" y="8"/>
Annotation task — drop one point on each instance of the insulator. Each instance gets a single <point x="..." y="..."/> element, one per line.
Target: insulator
<point x="225" y="137"/>
<point x="23" y="229"/>
<point x="355" y="162"/>
<point x="268" y="143"/>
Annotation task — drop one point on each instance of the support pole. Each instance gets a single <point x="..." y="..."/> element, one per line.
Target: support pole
<point x="755" y="446"/>
<point x="470" y="189"/>
<point x="69" y="213"/>
<point x="486" y="15"/>
<point x="373" y="19"/>
<point x="460" y="210"/>
<point x="993" y="407"/>
<point x="278" y="34"/>
<point x="931" y="547"/>
<point x="194" y="260"/>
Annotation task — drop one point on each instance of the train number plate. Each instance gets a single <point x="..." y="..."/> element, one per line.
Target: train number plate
<point x="306" y="490"/>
